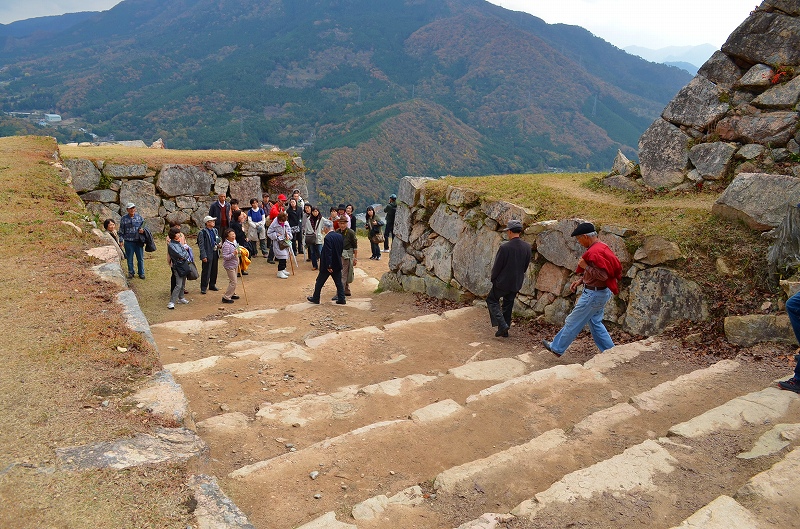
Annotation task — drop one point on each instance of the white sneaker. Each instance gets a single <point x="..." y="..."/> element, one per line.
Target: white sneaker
<point x="170" y="305"/>
<point x="384" y="251"/>
<point x="282" y="274"/>
<point x="184" y="301"/>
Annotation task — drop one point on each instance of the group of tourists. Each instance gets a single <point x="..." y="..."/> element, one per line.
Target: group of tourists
<point x="280" y="231"/>
<point x="286" y="228"/>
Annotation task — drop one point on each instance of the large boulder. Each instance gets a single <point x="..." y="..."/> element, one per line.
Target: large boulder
<point x="177" y="179"/>
<point x="622" y="165"/>
<point x="473" y="256"/>
<point x="659" y="297"/>
<point x="656" y="250"/>
<point x="712" y="160"/>
<point x="410" y="190"/>
<point x="557" y="246"/>
<point x="101" y="195"/>
<point x="758" y="199"/>
<point x="663" y="155"/>
<point x="258" y="168"/>
<point x="618" y="246"/>
<point x="439" y="258"/>
<point x="552" y="278"/>
<point x="141" y="193"/>
<point x="783" y="96"/>
<point x="117" y="171"/>
<point x="773" y="128"/>
<point x="502" y="211"/>
<point x="85" y="176"/>
<point x="221" y="168"/>
<point x="697" y="105"/>
<point x="461" y="197"/>
<point x="402" y="222"/>
<point x="721" y="70"/>
<point x="245" y="188"/>
<point x="447" y="223"/>
<point x="758" y="77"/>
<point x="757" y="328"/>
<point x="767" y="38"/>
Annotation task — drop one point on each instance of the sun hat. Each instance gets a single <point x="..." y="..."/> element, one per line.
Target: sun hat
<point x="208" y="218"/>
<point x="130" y="205"/>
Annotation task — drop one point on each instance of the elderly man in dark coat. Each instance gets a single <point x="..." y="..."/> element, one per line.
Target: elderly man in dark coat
<point x="508" y="274"/>
<point x="330" y="264"/>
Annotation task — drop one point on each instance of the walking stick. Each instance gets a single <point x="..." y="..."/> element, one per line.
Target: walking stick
<point x="241" y="270"/>
<point x="291" y="258"/>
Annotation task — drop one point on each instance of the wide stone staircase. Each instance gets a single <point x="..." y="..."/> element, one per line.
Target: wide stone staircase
<point x="326" y="416"/>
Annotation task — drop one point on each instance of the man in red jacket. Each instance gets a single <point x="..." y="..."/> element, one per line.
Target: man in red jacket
<point x="599" y="270"/>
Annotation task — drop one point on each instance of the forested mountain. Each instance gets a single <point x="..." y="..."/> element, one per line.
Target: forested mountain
<point x="381" y="89"/>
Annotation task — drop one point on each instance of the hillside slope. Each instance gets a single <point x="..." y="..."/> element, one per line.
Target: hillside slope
<point x="240" y="73"/>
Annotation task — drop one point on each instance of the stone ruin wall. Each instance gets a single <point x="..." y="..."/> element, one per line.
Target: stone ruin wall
<point x="445" y="249"/>
<point x="171" y="193"/>
<point x="738" y="116"/>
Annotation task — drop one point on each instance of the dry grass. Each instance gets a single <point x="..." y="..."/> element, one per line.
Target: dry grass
<point x="684" y="218"/>
<point x="61" y="327"/>
<point x="156" y="157"/>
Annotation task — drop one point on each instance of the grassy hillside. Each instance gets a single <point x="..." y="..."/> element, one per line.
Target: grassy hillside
<point x="347" y="76"/>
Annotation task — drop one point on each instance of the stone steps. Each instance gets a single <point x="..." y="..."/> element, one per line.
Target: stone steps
<point x="276" y="470"/>
<point x="290" y="449"/>
<point x="641" y="469"/>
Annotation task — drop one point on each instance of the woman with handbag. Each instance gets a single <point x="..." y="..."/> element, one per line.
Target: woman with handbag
<point x="373" y="226"/>
<point x="295" y="217"/>
<point x="179" y="257"/>
<point x="280" y="234"/>
<point x="312" y="227"/>
<point x="230" y="262"/>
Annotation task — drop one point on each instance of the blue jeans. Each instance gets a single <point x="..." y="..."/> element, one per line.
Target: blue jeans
<point x="134" y="248"/>
<point x="793" y="311"/>
<point x="588" y="309"/>
<point x="314" y="253"/>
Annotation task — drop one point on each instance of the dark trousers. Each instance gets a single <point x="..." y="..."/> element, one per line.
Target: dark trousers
<point x="388" y="231"/>
<point x="322" y="277"/>
<point x="793" y="311"/>
<point x="208" y="272"/>
<point x="501" y="317"/>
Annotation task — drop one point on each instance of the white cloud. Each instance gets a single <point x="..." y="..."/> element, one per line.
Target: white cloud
<point x="648" y="23"/>
<point x="12" y="10"/>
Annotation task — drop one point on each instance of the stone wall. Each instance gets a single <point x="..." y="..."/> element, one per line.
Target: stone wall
<point x="176" y="192"/>
<point x="446" y="248"/>
<point x="739" y="115"/>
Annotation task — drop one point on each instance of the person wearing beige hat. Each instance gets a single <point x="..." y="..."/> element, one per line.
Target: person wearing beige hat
<point x="508" y="274"/>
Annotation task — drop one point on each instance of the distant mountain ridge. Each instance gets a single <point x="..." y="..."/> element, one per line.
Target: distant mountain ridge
<point x="694" y="55"/>
<point x="379" y="89"/>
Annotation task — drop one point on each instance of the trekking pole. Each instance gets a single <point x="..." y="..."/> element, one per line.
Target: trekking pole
<point x="291" y="258"/>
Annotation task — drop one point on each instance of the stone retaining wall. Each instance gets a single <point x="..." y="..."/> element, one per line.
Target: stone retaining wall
<point x="445" y="249"/>
<point x="177" y="192"/>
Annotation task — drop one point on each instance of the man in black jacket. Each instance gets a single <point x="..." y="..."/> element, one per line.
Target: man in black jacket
<point x="330" y="264"/>
<point x="208" y="240"/>
<point x="388" y="228"/>
<point x="508" y="273"/>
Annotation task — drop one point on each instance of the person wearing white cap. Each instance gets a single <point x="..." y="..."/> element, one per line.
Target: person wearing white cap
<point x="209" y="242"/>
<point x="130" y="226"/>
<point x="508" y="274"/>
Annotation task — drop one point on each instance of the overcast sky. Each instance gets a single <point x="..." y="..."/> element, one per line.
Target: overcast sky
<point x="648" y="23"/>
